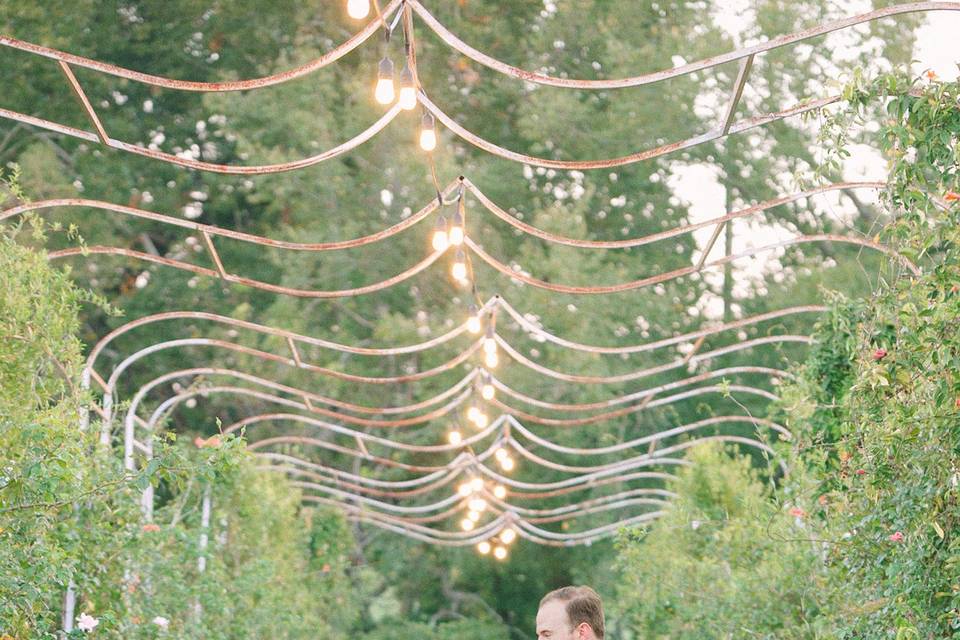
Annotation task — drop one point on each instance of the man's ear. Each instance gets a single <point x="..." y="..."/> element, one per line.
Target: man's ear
<point x="585" y="631"/>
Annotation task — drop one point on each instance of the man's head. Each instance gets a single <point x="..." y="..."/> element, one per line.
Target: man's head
<point x="570" y="613"/>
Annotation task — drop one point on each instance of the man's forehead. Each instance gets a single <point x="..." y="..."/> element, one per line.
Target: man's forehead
<point x="551" y="613"/>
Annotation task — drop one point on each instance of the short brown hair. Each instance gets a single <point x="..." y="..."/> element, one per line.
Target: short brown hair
<point x="583" y="605"/>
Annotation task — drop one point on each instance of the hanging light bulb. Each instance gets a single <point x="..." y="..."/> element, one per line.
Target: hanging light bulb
<point x="408" y="93"/>
<point x="459" y="270"/>
<point x="508" y="535"/>
<point x="491" y="360"/>
<point x="473" y="413"/>
<point x="500" y="492"/>
<point x="358" y="9"/>
<point x="477" y="504"/>
<point x="454" y="437"/>
<point x="484" y="547"/>
<point x="500" y="553"/>
<point x="467" y="524"/>
<point x="476" y="484"/>
<point x="482" y="421"/>
<point x="473" y="322"/>
<point x="490" y="342"/>
<point x="474" y="516"/>
<point x="385" y="91"/>
<point x="507" y="464"/>
<point x="501" y="453"/>
<point x="465" y="489"/>
<point x="440" y="240"/>
<point x="456" y="229"/>
<point x="487" y="390"/>
<point x="428" y="133"/>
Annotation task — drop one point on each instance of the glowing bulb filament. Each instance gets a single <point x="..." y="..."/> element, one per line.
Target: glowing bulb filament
<point x="358" y="9"/>
<point x="500" y="553"/>
<point x="487" y="391"/>
<point x="454" y="437"/>
<point x="456" y="230"/>
<point x="467" y="524"/>
<point x="440" y="240"/>
<point x="500" y="492"/>
<point x="484" y="547"/>
<point x="385" y="92"/>
<point x="428" y="133"/>
<point x="408" y="93"/>
<point x="473" y="322"/>
<point x="508" y="535"/>
<point x="459" y="270"/>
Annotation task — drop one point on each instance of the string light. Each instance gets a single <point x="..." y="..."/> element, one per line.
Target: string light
<point x="506" y="463"/>
<point x="459" y="270"/>
<point x="358" y="9"/>
<point x="454" y="437"/>
<point x="484" y="547"/>
<point x="465" y="489"/>
<point x="476" y="484"/>
<point x="508" y="535"/>
<point x="473" y="322"/>
<point x="474" y="516"/>
<point x="408" y="93"/>
<point x="428" y="133"/>
<point x="490" y="342"/>
<point x="477" y="504"/>
<point x="500" y="553"/>
<point x="482" y="420"/>
<point x="467" y="524"/>
<point x="472" y="413"/>
<point x="487" y="390"/>
<point x="385" y="92"/>
<point x="456" y="230"/>
<point x="501" y="453"/>
<point x="500" y="492"/>
<point x="491" y="359"/>
<point x="440" y="240"/>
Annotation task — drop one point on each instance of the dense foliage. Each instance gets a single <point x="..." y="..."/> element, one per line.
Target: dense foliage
<point x="859" y="542"/>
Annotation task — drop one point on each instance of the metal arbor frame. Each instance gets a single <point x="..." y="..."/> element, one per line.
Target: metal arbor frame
<point x="398" y="505"/>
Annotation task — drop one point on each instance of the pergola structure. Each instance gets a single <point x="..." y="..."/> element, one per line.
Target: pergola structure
<point x="465" y="494"/>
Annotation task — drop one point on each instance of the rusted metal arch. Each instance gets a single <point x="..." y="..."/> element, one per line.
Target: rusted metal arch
<point x="727" y="127"/>
<point x="684" y="271"/>
<point x="576" y="422"/>
<point x="352" y="43"/>
<point x="485" y="257"/>
<point x="209" y="231"/>
<point x="131" y="444"/>
<point x="692" y="336"/>
<point x="450" y="38"/>
<point x="554" y="238"/>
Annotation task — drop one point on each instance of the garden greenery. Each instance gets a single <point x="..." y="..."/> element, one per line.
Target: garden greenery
<point x="860" y="541"/>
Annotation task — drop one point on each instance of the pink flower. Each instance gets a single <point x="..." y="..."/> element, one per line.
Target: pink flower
<point x="861" y="472"/>
<point x="951" y="196"/>
<point x="797" y="512"/>
<point x="879" y="354"/>
<point x="895" y="537"/>
<point x="87" y="622"/>
<point x="161" y="622"/>
<point x="151" y="528"/>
